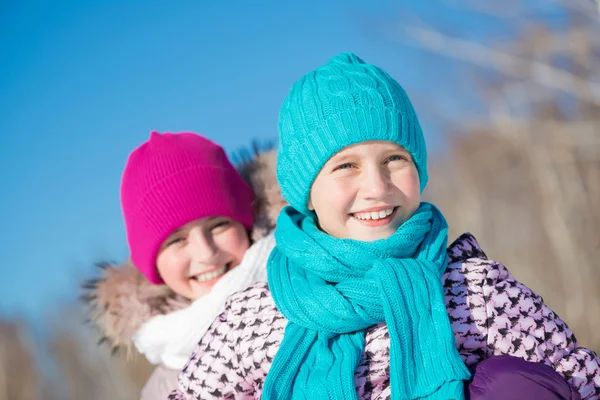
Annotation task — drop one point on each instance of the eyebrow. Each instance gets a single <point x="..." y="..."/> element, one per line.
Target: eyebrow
<point x="175" y="232"/>
<point x="211" y="218"/>
<point x="400" y="149"/>
<point x="336" y="159"/>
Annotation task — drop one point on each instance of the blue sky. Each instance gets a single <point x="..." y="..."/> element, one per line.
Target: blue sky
<point x="83" y="83"/>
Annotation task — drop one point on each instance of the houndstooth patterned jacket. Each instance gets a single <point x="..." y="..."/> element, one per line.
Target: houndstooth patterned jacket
<point x="490" y="313"/>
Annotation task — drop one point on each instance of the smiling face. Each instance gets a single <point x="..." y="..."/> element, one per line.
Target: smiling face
<point x="366" y="191"/>
<point x="193" y="258"/>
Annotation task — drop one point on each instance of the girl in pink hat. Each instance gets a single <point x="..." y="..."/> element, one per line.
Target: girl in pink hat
<point x="197" y="231"/>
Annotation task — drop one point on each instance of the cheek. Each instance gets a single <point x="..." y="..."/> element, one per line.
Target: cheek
<point x="170" y="265"/>
<point x="332" y="204"/>
<point x="234" y="241"/>
<point x="332" y="197"/>
<point x="408" y="182"/>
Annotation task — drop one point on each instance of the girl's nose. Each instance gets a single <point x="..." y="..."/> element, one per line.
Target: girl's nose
<point x="201" y="246"/>
<point x="374" y="183"/>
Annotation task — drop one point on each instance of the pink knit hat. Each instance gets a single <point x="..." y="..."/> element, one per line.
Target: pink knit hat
<point x="171" y="180"/>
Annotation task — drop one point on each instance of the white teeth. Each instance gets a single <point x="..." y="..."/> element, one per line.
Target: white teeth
<point x="374" y="214"/>
<point x="210" y="275"/>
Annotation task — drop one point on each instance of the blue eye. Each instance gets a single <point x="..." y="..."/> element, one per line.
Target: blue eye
<point x="343" y="166"/>
<point x="397" y="157"/>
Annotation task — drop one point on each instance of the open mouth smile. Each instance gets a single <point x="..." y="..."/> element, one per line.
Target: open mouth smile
<point x="212" y="275"/>
<point x="375" y="218"/>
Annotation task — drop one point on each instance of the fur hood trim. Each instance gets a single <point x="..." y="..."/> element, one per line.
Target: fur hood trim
<point x="120" y="300"/>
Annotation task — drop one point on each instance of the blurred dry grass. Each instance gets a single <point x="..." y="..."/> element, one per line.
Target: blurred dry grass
<point x="19" y="377"/>
<point x="90" y="371"/>
<point x="535" y="207"/>
<point x="80" y="369"/>
<point x="525" y="180"/>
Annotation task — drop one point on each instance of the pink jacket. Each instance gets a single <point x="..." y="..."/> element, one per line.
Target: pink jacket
<point x="490" y="313"/>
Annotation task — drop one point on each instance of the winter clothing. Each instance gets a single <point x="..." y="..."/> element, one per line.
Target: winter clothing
<point x="129" y="310"/>
<point x="160" y="383"/>
<point x="170" y="339"/>
<point x="490" y="313"/>
<point x="331" y="290"/>
<point x="343" y="319"/>
<point x="344" y="102"/>
<point x="507" y="377"/>
<point x="173" y="179"/>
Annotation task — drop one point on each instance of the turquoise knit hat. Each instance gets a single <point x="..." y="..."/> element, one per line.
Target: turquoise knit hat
<point x="344" y="102"/>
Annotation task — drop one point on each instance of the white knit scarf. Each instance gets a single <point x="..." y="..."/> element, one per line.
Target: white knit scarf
<point x="170" y="339"/>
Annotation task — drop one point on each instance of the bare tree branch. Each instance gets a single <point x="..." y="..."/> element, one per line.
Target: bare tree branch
<point x="507" y="9"/>
<point x="505" y="63"/>
<point x="589" y="8"/>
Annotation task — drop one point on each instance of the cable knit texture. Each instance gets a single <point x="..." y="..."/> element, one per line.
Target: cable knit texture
<point x="491" y="313"/>
<point x="332" y="289"/>
<point x="171" y="180"/>
<point x="344" y="102"/>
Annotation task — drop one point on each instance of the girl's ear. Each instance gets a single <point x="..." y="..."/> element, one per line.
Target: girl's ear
<point x="310" y="206"/>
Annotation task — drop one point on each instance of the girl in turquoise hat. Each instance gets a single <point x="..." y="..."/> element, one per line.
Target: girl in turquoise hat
<point x="365" y="300"/>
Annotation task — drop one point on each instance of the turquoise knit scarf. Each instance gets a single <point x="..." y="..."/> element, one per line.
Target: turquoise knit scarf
<point x="331" y="290"/>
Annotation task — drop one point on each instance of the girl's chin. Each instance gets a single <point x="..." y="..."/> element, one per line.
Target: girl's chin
<point x="197" y="293"/>
<point x="373" y="236"/>
<point x="201" y="289"/>
<point x="371" y="233"/>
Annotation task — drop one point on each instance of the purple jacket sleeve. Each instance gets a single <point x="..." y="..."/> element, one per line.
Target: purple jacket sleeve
<point x="520" y="324"/>
<point x="507" y="377"/>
